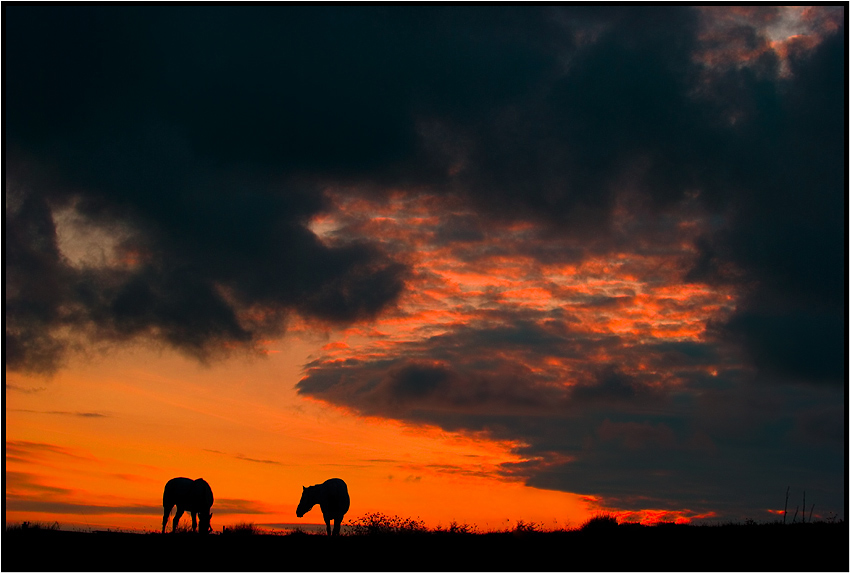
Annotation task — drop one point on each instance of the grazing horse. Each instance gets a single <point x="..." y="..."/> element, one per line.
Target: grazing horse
<point x="332" y="497"/>
<point x="194" y="496"/>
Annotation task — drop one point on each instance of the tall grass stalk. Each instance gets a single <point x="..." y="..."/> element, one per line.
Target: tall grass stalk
<point x="785" y="513"/>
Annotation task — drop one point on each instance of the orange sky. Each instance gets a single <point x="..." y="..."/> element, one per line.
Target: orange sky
<point x="244" y="430"/>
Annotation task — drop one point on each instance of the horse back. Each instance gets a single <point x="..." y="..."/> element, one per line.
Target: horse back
<point x="203" y="493"/>
<point x="176" y="490"/>
<point x="186" y="493"/>
<point x="335" y="496"/>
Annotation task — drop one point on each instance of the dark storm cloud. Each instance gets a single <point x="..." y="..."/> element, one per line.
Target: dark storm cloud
<point x="183" y="143"/>
<point x="786" y="233"/>
<point x="35" y="285"/>
<point x="636" y="105"/>
<point x="225" y="270"/>
<point x="316" y="88"/>
<point x="763" y="151"/>
<point x="609" y="386"/>
<point x="700" y="443"/>
<point x="622" y="107"/>
<point x="204" y="136"/>
<point x="730" y="452"/>
<point x="475" y="372"/>
<point x="206" y="133"/>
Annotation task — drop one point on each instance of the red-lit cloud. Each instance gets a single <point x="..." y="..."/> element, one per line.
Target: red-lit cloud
<point x="491" y="335"/>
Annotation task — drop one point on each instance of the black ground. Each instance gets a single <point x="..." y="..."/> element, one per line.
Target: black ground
<point x="808" y="547"/>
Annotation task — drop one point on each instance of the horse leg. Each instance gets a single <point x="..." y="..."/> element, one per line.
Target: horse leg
<point x="166" y="511"/>
<point x="328" y="524"/>
<point x="337" y="523"/>
<point x="177" y="517"/>
<point x="194" y="522"/>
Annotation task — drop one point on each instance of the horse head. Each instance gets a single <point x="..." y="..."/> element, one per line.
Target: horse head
<point x="307" y="501"/>
<point x="204" y="522"/>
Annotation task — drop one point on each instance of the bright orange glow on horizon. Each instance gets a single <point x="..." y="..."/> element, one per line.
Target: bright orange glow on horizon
<point x="247" y="434"/>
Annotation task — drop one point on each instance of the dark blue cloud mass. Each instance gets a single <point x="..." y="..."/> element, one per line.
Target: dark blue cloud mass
<point x="208" y="133"/>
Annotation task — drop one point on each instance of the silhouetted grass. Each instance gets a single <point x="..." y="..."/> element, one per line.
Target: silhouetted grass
<point x="243" y="528"/>
<point x="182" y="528"/>
<point x="455" y="528"/>
<point x="380" y="524"/>
<point x="393" y="543"/>
<point x="33" y="525"/>
<point x="522" y="527"/>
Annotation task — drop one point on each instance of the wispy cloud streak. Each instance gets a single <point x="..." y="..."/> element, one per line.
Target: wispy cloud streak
<point x="65" y="413"/>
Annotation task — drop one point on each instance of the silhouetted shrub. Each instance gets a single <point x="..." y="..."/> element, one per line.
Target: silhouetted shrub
<point x="377" y="523"/>
<point x="601" y="522"/>
<point x="526" y="527"/>
<point x="242" y="528"/>
<point x="456" y="528"/>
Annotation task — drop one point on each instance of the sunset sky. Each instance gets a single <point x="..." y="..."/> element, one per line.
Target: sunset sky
<point x="486" y="264"/>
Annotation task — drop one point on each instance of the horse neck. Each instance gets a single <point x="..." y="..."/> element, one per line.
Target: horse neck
<point x="319" y="495"/>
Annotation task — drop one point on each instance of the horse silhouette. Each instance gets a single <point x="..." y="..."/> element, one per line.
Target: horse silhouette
<point x="194" y="496"/>
<point x="332" y="497"/>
